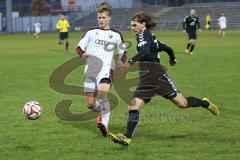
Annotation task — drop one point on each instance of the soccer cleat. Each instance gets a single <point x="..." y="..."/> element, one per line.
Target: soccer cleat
<point x="101" y="126"/>
<point x="187" y="51"/>
<point x="120" y="139"/>
<point x="212" y="107"/>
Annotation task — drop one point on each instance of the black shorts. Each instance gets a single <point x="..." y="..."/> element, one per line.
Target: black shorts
<point x="106" y="80"/>
<point x="162" y="86"/>
<point x="192" y="35"/>
<point x="63" y="35"/>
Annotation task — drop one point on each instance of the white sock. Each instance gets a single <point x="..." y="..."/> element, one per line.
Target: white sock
<point x="97" y="107"/>
<point x="105" y="112"/>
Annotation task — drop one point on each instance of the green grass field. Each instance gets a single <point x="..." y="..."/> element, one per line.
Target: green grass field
<point x="164" y="131"/>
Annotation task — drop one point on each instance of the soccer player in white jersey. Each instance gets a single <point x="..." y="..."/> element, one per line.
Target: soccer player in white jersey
<point x="37" y="27"/>
<point x="222" y="23"/>
<point x="96" y="46"/>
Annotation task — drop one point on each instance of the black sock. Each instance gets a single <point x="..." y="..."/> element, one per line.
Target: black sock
<point x="67" y="45"/>
<point x="188" y="45"/>
<point x="192" y="47"/>
<point x="133" y="117"/>
<point x="196" y="102"/>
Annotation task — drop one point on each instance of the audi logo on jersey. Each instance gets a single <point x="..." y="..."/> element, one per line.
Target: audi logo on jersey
<point x="111" y="46"/>
<point x="101" y="42"/>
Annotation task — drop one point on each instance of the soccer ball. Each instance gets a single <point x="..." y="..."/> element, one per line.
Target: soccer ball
<point x="32" y="110"/>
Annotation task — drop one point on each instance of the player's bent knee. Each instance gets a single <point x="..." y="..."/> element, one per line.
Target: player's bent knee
<point x="136" y="104"/>
<point x="102" y="95"/>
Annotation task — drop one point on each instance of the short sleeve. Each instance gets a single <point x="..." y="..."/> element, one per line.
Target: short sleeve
<point x="83" y="43"/>
<point x="120" y="44"/>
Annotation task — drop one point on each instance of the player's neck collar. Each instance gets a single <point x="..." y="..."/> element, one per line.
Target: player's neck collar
<point x="105" y="28"/>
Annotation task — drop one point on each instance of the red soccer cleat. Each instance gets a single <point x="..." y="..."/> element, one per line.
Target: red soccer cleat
<point x="101" y="126"/>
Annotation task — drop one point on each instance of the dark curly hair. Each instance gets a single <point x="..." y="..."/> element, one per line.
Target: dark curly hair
<point x="145" y="17"/>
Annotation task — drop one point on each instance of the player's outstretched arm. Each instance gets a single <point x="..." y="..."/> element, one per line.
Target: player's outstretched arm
<point x="123" y="64"/>
<point x="169" y="51"/>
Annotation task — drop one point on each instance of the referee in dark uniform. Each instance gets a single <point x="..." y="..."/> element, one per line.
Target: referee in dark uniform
<point x="153" y="77"/>
<point x="190" y="26"/>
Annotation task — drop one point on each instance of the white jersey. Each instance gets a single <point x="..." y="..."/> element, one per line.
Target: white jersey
<point x="222" y="22"/>
<point x="100" y="45"/>
<point x="37" y="27"/>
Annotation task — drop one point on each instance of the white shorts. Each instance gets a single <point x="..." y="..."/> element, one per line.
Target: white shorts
<point x="91" y="82"/>
<point x="223" y="26"/>
<point x="37" y="30"/>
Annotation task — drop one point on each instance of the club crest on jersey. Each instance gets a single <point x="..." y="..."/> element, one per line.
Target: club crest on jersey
<point x="110" y="36"/>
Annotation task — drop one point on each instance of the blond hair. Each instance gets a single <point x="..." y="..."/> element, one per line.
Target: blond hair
<point x="104" y="7"/>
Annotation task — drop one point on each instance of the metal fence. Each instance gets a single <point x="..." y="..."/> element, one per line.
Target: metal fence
<point x="25" y="24"/>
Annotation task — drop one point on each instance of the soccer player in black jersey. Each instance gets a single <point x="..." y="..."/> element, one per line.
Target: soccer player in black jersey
<point x="190" y="26"/>
<point x="155" y="80"/>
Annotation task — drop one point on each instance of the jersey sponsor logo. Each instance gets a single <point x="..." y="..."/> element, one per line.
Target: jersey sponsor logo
<point x="142" y="43"/>
<point x="101" y="42"/>
<point x="110" y="47"/>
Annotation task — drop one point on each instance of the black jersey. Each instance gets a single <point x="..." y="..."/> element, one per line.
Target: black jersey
<point x="148" y="47"/>
<point x="190" y="24"/>
<point x="147" y="44"/>
<point x="153" y="77"/>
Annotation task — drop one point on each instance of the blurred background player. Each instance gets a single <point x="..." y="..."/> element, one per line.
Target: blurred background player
<point x="63" y="27"/>
<point x="190" y="26"/>
<point x="222" y="23"/>
<point x="94" y="46"/>
<point x="154" y="81"/>
<point x="208" y="22"/>
<point x="37" y="27"/>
